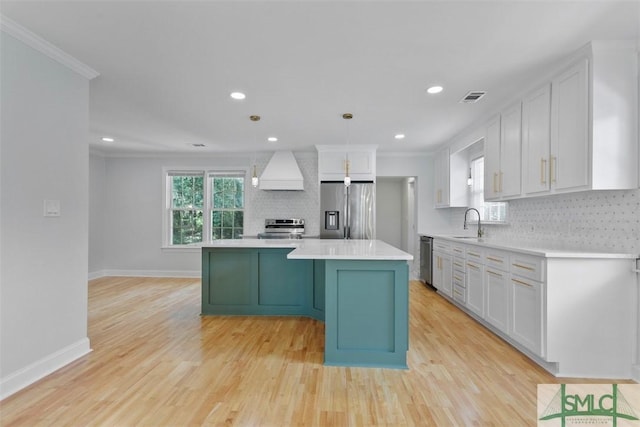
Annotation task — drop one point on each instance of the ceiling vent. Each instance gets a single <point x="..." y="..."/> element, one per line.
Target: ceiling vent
<point x="473" y="96"/>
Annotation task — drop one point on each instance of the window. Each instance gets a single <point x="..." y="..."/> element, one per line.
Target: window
<point x="489" y="211"/>
<point x="227" y="210"/>
<point x="203" y="205"/>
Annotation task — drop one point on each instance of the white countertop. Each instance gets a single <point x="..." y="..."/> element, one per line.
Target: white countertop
<point x="539" y="248"/>
<point x="352" y="249"/>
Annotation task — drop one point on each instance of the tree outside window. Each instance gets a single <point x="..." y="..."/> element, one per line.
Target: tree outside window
<point x="202" y="208"/>
<point x="227" y="210"/>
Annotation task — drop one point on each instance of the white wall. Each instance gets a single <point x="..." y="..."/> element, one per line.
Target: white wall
<point x="97" y="206"/>
<point x="132" y="200"/>
<point x="43" y="274"/>
<point x="389" y="210"/>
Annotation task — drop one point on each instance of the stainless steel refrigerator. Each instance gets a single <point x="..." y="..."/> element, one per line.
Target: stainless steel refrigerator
<point x="347" y="212"/>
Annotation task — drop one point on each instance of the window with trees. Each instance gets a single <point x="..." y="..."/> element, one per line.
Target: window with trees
<point x="204" y="205"/>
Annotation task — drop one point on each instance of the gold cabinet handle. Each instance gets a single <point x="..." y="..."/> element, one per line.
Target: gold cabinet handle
<point x="543" y="171"/>
<point x="493" y="273"/>
<point x="500" y="182"/>
<point x="552" y="166"/>
<point x="495" y="180"/>
<point x="495" y="259"/>
<point x="475" y="267"/>
<point x="524" y="267"/>
<point x="520" y="282"/>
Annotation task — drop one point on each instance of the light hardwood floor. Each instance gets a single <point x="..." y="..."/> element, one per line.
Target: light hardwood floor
<point x="157" y="362"/>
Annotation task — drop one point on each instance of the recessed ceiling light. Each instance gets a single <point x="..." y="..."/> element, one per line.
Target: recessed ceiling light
<point x="238" y="95"/>
<point x="272" y="139"/>
<point x="434" y="89"/>
<point x="107" y="139"/>
<point x="399" y="136"/>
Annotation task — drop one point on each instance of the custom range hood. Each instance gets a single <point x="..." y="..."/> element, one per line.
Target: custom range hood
<point x="282" y="173"/>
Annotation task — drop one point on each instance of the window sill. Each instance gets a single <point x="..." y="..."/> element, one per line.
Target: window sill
<point x="194" y="247"/>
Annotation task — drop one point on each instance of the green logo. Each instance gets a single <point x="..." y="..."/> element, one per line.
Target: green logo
<point x="588" y="405"/>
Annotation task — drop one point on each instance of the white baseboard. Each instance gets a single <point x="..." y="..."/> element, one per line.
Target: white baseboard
<point x="43" y="367"/>
<point x="96" y="274"/>
<point x="147" y="273"/>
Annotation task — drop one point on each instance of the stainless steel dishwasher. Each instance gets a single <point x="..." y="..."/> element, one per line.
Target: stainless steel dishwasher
<point x="426" y="260"/>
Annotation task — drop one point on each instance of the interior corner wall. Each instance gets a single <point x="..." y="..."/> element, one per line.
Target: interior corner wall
<point x="43" y="260"/>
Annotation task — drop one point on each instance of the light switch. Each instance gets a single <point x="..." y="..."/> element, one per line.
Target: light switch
<point x="52" y="208"/>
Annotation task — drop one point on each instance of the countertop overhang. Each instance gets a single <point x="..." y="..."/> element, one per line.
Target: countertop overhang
<point x="351" y="249"/>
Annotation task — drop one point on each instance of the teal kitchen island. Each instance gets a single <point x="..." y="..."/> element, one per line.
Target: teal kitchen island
<point x="359" y="288"/>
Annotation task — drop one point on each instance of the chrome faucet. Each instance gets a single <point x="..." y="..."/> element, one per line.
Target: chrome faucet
<point x="480" y="232"/>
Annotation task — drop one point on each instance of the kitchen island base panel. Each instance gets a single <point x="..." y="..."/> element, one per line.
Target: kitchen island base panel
<point x="366" y="313"/>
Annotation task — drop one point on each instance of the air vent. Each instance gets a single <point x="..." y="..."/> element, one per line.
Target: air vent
<point x="473" y="96"/>
<point x="198" y="145"/>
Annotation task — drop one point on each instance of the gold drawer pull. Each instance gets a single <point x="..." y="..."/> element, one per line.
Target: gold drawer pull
<point x="529" y="285"/>
<point x="494" y="273"/>
<point x="524" y="267"/>
<point x="473" y="254"/>
<point x="495" y="259"/>
<point x="475" y="267"/>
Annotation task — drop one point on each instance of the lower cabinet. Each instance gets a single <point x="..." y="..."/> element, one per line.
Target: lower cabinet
<point x="526" y="313"/>
<point x="443" y="273"/>
<point x="497" y="298"/>
<point x="475" y="287"/>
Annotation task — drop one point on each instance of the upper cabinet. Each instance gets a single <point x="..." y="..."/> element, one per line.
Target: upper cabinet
<point x="577" y="132"/>
<point x="536" y="134"/>
<point x="450" y="176"/>
<point x="332" y="162"/>
<point x="503" y="154"/>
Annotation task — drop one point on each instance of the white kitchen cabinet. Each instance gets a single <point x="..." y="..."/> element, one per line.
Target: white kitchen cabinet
<point x="526" y="313"/>
<point x="569" y="160"/>
<point x="450" y="179"/>
<point x="502" y="157"/>
<point x="497" y="298"/>
<point x="593" y="124"/>
<point x="572" y="315"/>
<point x="332" y="162"/>
<point x="474" y="271"/>
<point x="492" y="159"/>
<point x="442" y="268"/>
<point x="536" y="136"/>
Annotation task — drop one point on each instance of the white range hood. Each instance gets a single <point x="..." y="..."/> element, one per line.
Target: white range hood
<point x="282" y="173"/>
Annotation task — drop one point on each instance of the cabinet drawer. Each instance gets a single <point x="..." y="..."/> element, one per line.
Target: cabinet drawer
<point x="497" y="259"/>
<point x="458" y="250"/>
<point x="474" y="254"/>
<point x="458" y="265"/>
<point x="530" y="267"/>
<point x="458" y="279"/>
<point x="442" y="246"/>
<point x="459" y="293"/>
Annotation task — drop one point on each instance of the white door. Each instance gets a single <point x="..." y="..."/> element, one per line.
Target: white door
<point x="510" y="151"/>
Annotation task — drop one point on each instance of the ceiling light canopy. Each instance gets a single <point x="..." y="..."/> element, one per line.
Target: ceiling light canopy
<point x="238" y="95"/>
<point x="434" y="89"/>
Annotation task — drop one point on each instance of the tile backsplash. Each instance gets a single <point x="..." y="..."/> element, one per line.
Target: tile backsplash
<point x="590" y="220"/>
<point x="286" y="204"/>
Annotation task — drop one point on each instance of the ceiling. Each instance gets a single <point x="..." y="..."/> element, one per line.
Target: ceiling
<point x="167" y="67"/>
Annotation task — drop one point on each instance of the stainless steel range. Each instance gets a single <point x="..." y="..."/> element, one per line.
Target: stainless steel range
<point x="290" y="228"/>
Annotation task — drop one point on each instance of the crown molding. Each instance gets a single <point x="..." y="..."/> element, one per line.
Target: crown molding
<point x="33" y="40"/>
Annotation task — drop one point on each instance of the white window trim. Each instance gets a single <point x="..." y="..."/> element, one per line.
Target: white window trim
<point x="206" y="172"/>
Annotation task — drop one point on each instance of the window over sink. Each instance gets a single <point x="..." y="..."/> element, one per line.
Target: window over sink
<point x="202" y="205"/>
